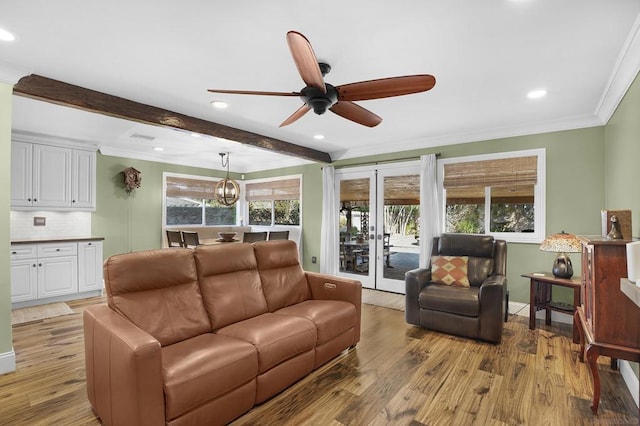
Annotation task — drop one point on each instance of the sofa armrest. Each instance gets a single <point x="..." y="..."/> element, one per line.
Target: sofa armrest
<point x="124" y="369"/>
<point x="414" y="281"/>
<point x="330" y="287"/>
<point x="492" y="301"/>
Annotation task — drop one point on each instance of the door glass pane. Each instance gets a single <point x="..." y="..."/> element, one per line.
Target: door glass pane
<point x="354" y="224"/>
<point x="401" y="214"/>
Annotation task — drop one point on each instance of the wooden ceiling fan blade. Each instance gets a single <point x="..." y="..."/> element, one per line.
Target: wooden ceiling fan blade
<point x="356" y="113"/>
<point x="305" y="60"/>
<point x="385" y="87"/>
<point x="253" y="92"/>
<point x="296" y="115"/>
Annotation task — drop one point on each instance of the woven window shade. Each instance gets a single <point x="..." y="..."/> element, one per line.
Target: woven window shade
<point x="197" y="189"/>
<point x="505" y="172"/>
<point x="285" y="189"/>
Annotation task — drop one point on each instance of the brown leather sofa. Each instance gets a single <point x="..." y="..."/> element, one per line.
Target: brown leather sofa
<point x="200" y="336"/>
<point x="477" y="311"/>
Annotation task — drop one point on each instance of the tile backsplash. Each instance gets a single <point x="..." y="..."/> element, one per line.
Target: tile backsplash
<point x="58" y="224"/>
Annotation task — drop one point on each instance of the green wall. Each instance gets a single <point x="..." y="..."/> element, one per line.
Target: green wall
<point x="132" y="221"/>
<point x="6" y="91"/>
<point x="622" y="154"/>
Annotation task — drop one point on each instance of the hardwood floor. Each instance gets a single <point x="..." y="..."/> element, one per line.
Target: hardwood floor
<point x="398" y="374"/>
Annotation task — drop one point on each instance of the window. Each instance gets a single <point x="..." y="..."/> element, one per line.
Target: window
<point x="191" y="201"/>
<point x="274" y="202"/>
<point x="499" y="194"/>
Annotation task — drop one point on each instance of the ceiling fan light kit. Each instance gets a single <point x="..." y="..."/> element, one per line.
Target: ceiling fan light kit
<point x="320" y="96"/>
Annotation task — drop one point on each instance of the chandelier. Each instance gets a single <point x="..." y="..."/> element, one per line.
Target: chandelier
<point x="227" y="190"/>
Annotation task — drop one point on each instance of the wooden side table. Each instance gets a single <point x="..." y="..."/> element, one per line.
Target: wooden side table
<point x="541" y="284"/>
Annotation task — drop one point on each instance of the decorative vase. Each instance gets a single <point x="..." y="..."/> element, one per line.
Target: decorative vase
<point x="562" y="267"/>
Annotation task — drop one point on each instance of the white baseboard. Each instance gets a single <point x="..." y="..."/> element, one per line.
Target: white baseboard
<point x="8" y="362"/>
<point x="522" y="309"/>
<point x="629" y="377"/>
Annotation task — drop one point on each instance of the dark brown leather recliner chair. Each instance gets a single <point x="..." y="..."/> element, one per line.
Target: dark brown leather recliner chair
<point x="477" y="311"/>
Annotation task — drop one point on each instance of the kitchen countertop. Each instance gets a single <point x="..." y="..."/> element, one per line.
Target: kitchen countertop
<point x="53" y="239"/>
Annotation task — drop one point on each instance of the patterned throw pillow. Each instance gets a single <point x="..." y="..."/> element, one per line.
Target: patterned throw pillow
<point x="450" y="270"/>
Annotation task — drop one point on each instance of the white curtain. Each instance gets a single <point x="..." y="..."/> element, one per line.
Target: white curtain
<point x="329" y="256"/>
<point x="429" y="207"/>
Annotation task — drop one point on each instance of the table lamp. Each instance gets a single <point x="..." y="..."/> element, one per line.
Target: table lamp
<point x="562" y="244"/>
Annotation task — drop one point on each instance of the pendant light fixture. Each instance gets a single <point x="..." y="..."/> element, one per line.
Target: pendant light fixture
<point x="227" y="190"/>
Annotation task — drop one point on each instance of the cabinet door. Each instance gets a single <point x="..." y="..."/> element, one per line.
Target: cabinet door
<point x="89" y="266"/>
<point x="83" y="180"/>
<point x="51" y="176"/>
<point x="57" y="276"/>
<point x="21" y="174"/>
<point x="24" y="276"/>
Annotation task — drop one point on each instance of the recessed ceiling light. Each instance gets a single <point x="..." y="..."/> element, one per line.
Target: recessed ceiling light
<point x="158" y="148"/>
<point x="318" y="137"/>
<point x="6" y="35"/>
<point x="196" y="135"/>
<point x="535" y="94"/>
<point x="219" y="104"/>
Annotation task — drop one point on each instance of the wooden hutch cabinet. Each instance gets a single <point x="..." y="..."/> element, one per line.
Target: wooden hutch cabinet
<point x="609" y="322"/>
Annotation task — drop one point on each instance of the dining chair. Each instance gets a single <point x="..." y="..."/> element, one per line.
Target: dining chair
<point x="190" y="239"/>
<point x="278" y="235"/>
<point x="250" y="237"/>
<point x="174" y="239"/>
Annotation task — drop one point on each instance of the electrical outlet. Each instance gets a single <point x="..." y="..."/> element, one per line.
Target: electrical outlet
<point x="39" y="221"/>
<point x="314" y="259"/>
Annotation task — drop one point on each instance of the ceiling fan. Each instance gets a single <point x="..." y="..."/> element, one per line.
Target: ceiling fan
<point x="320" y="96"/>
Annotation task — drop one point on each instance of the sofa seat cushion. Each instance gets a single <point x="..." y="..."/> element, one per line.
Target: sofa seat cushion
<point x="277" y="338"/>
<point x="331" y="317"/>
<point x="450" y="299"/>
<point x="203" y="368"/>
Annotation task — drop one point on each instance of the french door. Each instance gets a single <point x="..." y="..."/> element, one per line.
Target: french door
<point x="379" y="212"/>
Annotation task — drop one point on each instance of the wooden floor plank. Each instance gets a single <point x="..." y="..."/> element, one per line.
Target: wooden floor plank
<point x="397" y="375"/>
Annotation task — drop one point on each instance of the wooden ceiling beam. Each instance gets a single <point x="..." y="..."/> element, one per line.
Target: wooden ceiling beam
<point x="61" y="93"/>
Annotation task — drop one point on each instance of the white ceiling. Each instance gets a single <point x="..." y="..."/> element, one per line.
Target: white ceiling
<point x="485" y="55"/>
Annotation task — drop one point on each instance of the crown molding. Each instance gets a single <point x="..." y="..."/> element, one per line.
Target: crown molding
<point x="42" y="139"/>
<point x="624" y="73"/>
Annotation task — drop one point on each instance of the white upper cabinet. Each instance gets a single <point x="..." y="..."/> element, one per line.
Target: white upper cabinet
<point x="21" y="174"/>
<point x="52" y="177"/>
<point x="83" y="179"/>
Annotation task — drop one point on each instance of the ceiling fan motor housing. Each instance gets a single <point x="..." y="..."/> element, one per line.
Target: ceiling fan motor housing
<point x="317" y="100"/>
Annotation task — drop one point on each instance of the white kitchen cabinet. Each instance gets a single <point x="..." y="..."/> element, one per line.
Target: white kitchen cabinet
<point x="21" y="174"/>
<point x="51" y="271"/>
<point x="24" y="280"/>
<point x="89" y="266"/>
<point x="57" y="276"/>
<point x="83" y="179"/>
<point x="52" y="177"/>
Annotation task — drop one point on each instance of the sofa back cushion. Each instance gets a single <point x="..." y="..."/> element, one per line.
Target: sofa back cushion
<point x="230" y="283"/>
<point x="158" y="291"/>
<point x="283" y="280"/>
